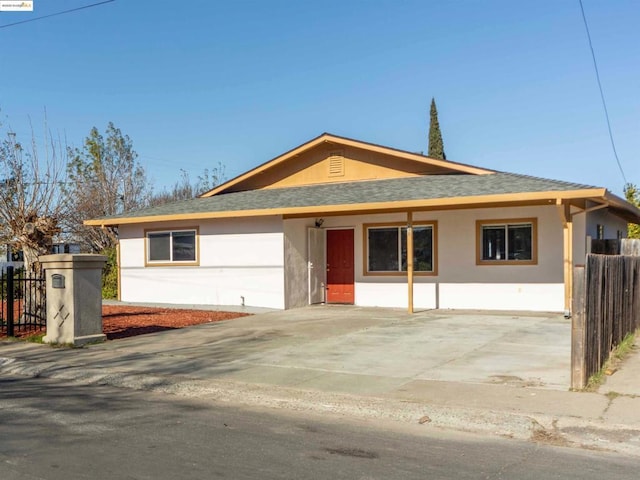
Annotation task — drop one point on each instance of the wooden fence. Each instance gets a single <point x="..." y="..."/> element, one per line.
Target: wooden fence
<point x="623" y="246"/>
<point x="630" y="246"/>
<point x="606" y="307"/>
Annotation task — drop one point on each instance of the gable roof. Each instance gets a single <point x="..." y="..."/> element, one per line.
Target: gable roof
<point x="328" y="138"/>
<point x="450" y="185"/>
<point x="397" y="194"/>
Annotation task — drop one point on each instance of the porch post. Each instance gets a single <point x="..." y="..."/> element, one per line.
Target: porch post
<point x="410" y="259"/>
<point x="568" y="293"/>
<point x="564" y="209"/>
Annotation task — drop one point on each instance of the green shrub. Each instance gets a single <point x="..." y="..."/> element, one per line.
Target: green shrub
<point x="110" y="274"/>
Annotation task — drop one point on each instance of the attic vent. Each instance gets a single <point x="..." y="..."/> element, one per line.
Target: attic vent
<point x="336" y="164"/>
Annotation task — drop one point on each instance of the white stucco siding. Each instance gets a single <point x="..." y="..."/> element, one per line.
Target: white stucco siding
<point x="394" y="295"/>
<point x="207" y="286"/>
<point x="541" y="297"/>
<point x="241" y="260"/>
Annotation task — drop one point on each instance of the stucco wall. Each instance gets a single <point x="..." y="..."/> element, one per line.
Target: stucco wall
<point x="241" y="260"/>
<point x="264" y="262"/>
<point x="460" y="283"/>
<point x="579" y="238"/>
<point x="612" y="224"/>
<point x="295" y="261"/>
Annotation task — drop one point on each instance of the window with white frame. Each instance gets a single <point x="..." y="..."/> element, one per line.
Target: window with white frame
<point x="508" y="242"/>
<point x="175" y="246"/>
<point x="386" y="249"/>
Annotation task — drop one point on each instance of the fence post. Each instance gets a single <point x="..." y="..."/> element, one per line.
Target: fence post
<point x="578" y="318"/>
<point x="10" y="298"/>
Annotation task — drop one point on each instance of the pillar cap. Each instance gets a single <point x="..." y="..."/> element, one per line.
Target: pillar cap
<point x="73" y="260"/>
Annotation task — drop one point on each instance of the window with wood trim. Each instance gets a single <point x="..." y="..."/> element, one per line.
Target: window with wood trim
<point x="172" y="247"/>
<point x="507" y="242"/>
<point x="386" y="249"/>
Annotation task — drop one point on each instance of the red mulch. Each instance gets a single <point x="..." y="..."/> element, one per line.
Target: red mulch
<point x="121" y="321"/>
<point x="16" y="308"/>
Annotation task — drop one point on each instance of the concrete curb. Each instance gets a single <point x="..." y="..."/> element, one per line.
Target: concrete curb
<point x="554" y="430"/>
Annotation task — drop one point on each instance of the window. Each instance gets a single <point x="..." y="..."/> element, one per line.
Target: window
<point x="511" y="242"/>
<point x="386" y="249"/>
<point x="175" y="247"/>
<point x="600" y="232"/>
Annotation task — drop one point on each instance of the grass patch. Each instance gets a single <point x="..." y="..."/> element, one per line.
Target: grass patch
<point x="613" y="395"/>
<point x="625" y="347"/>
<point x="34" y="338"/>
<point x="37" y="338"/>
<point x="616" y="357"/>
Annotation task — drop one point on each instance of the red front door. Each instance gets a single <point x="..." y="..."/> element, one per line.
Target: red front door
<point x="340" y="266"/>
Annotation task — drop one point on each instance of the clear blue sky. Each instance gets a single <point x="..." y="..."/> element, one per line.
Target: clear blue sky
<point x="200" y="82"/>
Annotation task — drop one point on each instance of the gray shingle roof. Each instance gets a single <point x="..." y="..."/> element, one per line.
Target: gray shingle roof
<point x="353" y="193"/>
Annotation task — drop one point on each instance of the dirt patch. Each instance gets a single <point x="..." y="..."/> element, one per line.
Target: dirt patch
<point x="551" y="436"/>
<point x="515" y="381"/>
<point x="122" y="321"/>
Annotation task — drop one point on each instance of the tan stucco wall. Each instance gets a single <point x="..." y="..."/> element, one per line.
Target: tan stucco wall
<point x="312" y="167"/>
<point x="295" y="263"/>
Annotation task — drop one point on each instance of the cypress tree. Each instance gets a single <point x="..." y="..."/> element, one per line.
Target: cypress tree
<point x="436" y="147"/>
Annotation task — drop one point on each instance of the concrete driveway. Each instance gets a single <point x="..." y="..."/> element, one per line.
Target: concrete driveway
<point x="363" y="350"/>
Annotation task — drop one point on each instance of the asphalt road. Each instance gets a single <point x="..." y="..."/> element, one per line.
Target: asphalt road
<point x="55" y="430"/>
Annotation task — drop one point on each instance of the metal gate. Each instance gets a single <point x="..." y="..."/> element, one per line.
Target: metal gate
<point x="23" y="302"/>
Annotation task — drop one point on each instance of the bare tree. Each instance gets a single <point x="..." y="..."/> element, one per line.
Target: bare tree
<point x="105" y="179"/>
<point x="185" y="189"/>
<point x="32" y="206"/>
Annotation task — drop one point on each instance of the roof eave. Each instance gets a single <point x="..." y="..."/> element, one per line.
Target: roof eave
<point x="476" y="201"/>
<point x="626" y="210"/>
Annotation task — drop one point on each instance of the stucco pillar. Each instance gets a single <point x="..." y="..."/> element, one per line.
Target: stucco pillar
<point x="74" y="298"/>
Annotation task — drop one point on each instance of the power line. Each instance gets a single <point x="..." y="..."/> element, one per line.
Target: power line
<point x="604" y="104"/>
<point x="55" y="14"/>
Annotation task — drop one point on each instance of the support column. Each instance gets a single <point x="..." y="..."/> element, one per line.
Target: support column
<point x="410" y="259"/>
<point x="74" y="298"/>
<point x="564" y="209"/>
<point x="568" y="269"/>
